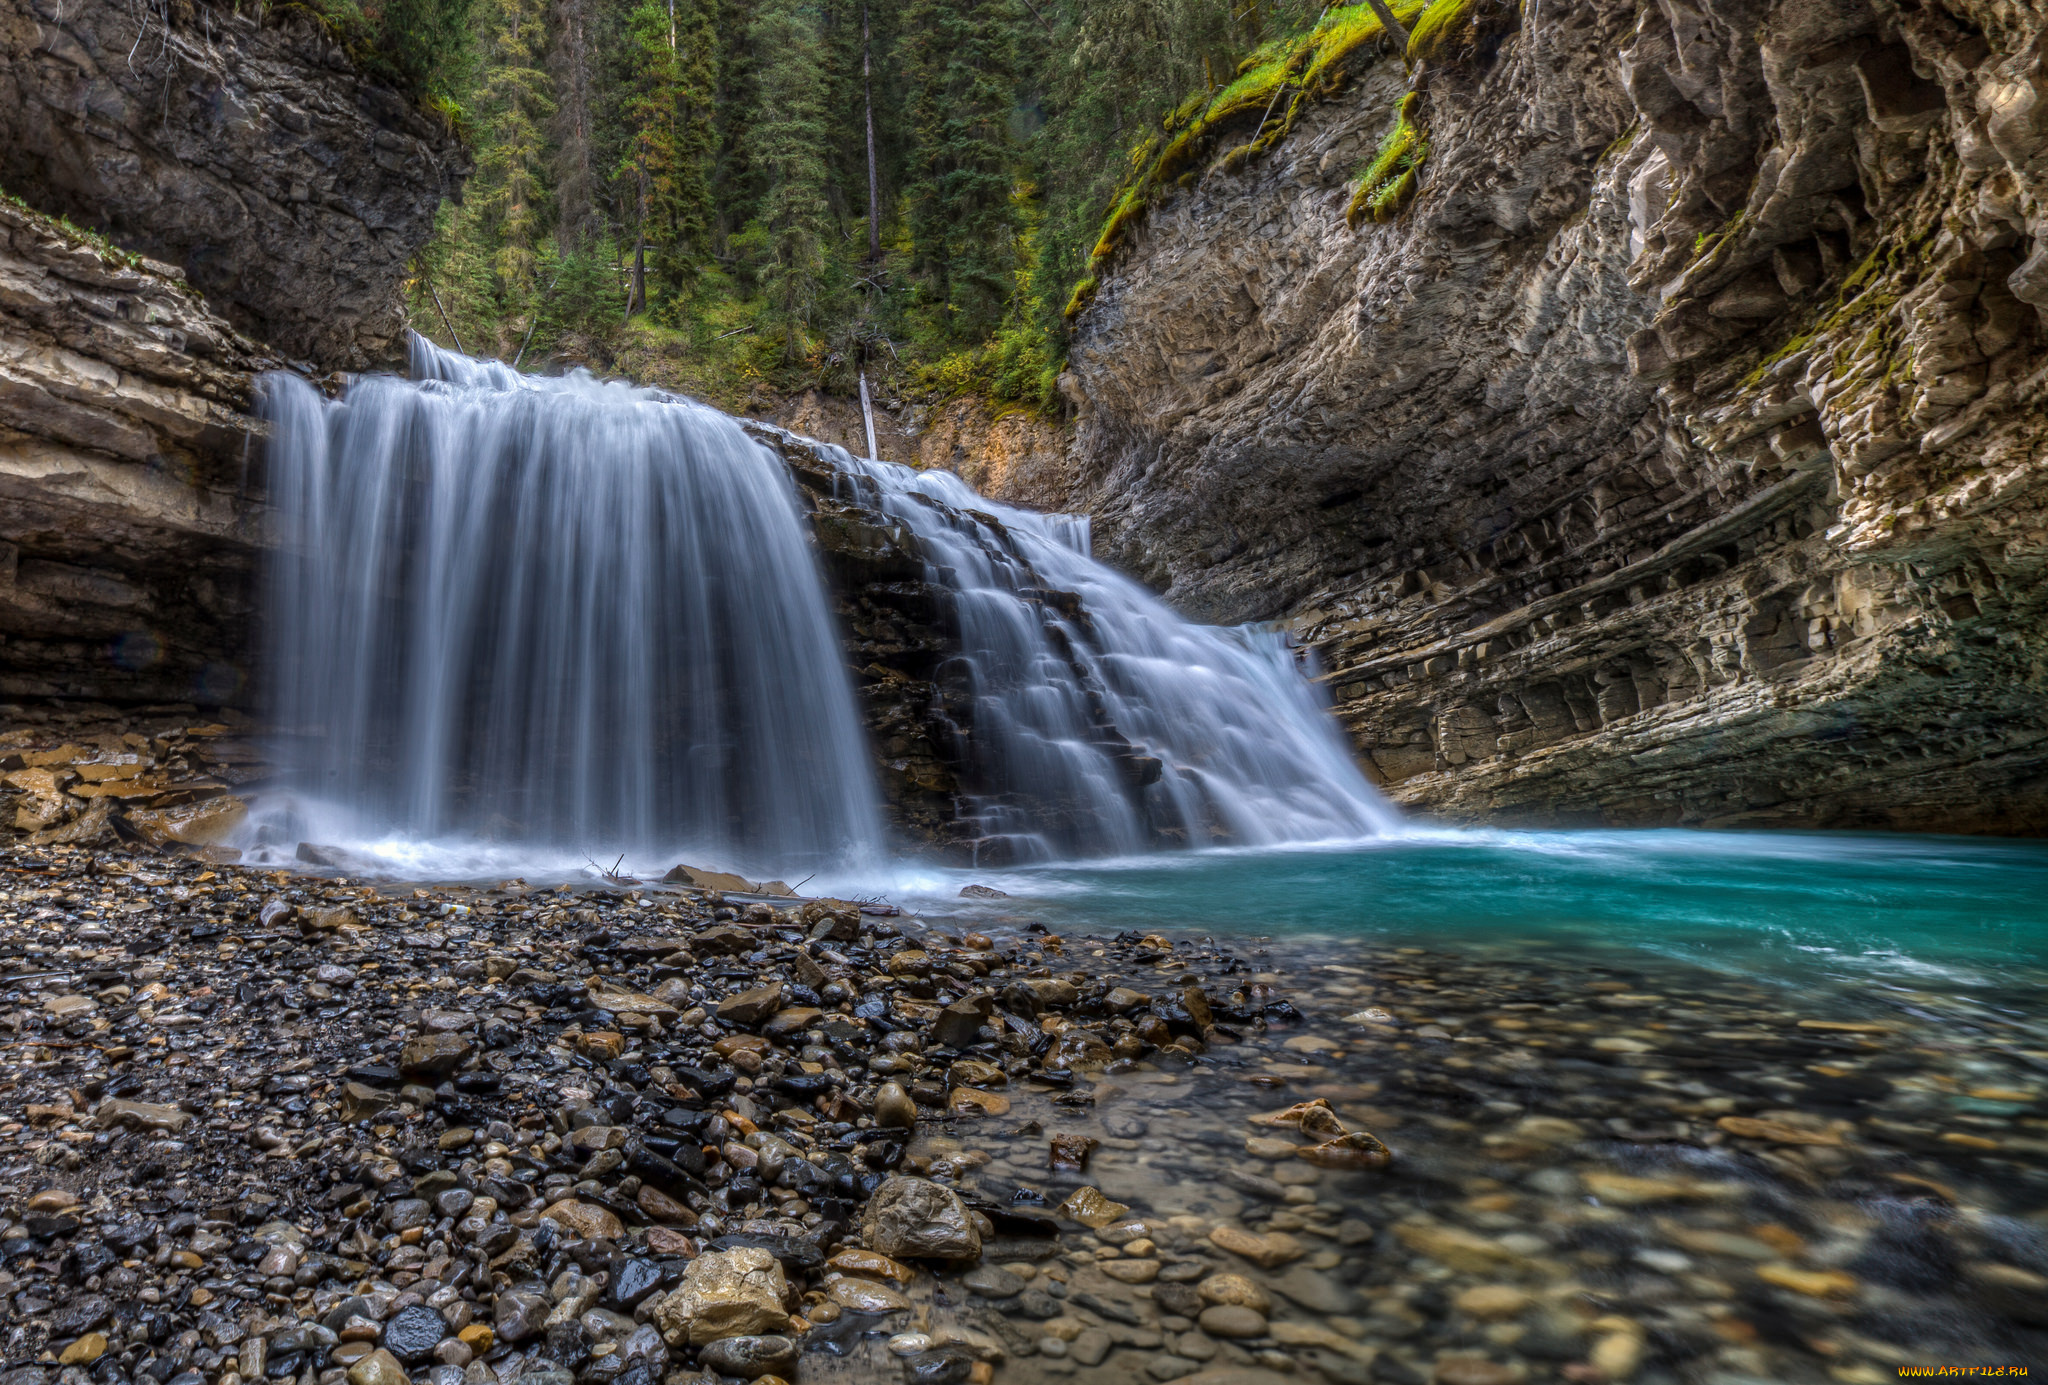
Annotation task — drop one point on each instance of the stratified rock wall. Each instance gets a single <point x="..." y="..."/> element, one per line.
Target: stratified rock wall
<point x="238" y="142"/>
<point x="1675" y="457"/>
<point x="126" y="540"/>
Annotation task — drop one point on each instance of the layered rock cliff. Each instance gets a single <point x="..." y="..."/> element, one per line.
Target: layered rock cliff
<point x="126" y="543"/>
<point x="1673" y="457"/>
<point x="259" y="199"/>
<point x="239" y="143"/>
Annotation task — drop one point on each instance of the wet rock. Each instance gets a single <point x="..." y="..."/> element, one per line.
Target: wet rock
<point x="1493" y="1302"/>
<point x="1268" y="1251"/>
<point x="518" y="1315"/>
<point x="81" y="1314"/>
<point x="412" y="1333"/>
<point x="750" y="1358"/>
<point x="1036" y="1304"/>
<point x="959" y="1024"/>
<point x="1812" y="1283"/>
<point x="864" y="1296"/>
<point x="1234" y="1290"/>
<point x="915" y="1218"/>
<point x="1089" y="1207"/>
<point x="751" y="1007"/>
<point x="894" y="1110"/>
<point x="141" y="1115"/>
<point x="435" y="1056"/>
<point x="1069" y="1151"/>
<point x="1090" y="1347"/>
<point x="585" y="1220"/>
<point x="1315" y="1291"/>
<point x="991" y="1281"/>
<point x="728" y="1293"/>
<point x="378" y="1368"/>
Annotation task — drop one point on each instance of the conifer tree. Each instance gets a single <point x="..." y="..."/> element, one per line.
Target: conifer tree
<point x="958" y="66"/>
<point x="789" y="138"/>
<point x="516" y="102"/>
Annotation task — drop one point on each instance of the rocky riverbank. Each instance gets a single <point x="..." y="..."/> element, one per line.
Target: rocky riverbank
<point x="305" y="1128"/>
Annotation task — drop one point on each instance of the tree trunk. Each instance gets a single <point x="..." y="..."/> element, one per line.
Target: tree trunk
<point x="1389" y="23"/>
<point x="867" y="81"/>
<point x="637" y="294"/>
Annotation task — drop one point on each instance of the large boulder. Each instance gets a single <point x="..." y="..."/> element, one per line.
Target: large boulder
<point x="725" y="1293"/>
<point x="916" y="1218"/>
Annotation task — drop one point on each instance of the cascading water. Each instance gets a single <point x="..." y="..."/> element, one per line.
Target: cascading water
<point x="587" y="617"/>
<point x="558" y="612"/>
<point x="1094" y="719"/>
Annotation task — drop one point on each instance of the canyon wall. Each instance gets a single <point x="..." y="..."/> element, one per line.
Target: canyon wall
<point x="1674" y="457"/>
<point x="238" y="143"/>
<point x="259" y="199"/>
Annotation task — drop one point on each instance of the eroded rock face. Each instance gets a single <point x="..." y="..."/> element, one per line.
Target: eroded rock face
<point x="241" y="146"/>
<point x="1673" y="458"/>
<point x="126" y="543"/>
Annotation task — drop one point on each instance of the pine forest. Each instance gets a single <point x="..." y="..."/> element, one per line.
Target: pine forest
<point x="724" y="194"/>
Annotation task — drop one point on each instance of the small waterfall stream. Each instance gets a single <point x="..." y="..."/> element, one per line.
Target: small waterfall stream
<point x="1100" y="722"/>
<point x="559" y="612"/>
<point x="588" y="617"/>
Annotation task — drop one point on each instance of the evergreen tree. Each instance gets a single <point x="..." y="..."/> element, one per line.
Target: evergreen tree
<point x="789" y="139"/>
<point x="571" y="61"/>
<point x="707" y="161"/>
<point x="958" y="60"/>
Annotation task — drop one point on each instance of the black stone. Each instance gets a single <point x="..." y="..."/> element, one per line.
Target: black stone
<point x="79" y="1316"/>
<point x="635" y="1279"/>
<point x="412" y="1333"/>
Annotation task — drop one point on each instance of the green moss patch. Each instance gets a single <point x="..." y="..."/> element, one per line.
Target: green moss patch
<point x="1450" y="29"/>
<point x="1388" y="182"/>
<point x="1269" y="91"/>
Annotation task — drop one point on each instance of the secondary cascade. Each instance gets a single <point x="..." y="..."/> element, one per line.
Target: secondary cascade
<point x="1095" y="721"/>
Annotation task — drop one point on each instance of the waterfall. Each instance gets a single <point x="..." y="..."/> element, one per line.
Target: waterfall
<point x="1096" y="721"/>
<point x="563" y="614"/>
<point x="558" y="612"/>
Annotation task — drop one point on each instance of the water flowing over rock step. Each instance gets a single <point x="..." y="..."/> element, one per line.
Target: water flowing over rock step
<point x="520" y="656"/>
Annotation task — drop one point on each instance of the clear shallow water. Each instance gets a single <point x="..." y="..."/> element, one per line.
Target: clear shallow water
<point x="1914" y="911"/>
<point x="1918" y="910"/>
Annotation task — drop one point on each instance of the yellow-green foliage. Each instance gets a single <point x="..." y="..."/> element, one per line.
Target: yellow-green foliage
<point x="1312" y="66"/>
<point x="1342" y="33"/>
<point x="1389" y="180"/>
<point x="1450" y="27"/>
<point x="1082" y="296"/>
<point x="1129" y="207"/>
